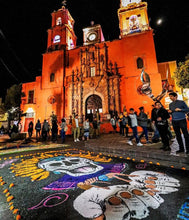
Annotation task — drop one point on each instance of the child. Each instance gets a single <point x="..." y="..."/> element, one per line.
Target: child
<point x="125" y="123"/>
<point x="134" y="125"/>
<point x="86" y="126"/>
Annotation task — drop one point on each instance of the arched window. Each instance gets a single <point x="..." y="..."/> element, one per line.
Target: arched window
<point x="140" y="63"/>
<point x="93" y="71"/>
<point x="52" y="77"/>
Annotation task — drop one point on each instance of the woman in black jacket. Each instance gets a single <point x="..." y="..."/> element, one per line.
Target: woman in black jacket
<point x="159" y="117"/>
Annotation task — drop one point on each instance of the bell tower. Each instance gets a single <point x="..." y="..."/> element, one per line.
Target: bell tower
<point x="61" y="33"/>
<point x="133" y="17"/>
<point x="92" y="34"/>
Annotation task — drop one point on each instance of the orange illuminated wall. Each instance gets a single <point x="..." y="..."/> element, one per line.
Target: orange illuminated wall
<point x="167" y="70"/>
<point x="125" y="52"/>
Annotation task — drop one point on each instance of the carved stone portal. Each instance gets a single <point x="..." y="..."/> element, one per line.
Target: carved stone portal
<point x="96" y="77"/>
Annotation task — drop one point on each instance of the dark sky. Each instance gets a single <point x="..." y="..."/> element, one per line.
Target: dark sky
<point x="24" y="24"/>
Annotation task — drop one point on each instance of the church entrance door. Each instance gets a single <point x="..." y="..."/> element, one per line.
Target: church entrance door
<point x="93" y="104"/>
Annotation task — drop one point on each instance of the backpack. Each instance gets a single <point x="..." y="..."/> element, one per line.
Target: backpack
<point x="38" y="126"/>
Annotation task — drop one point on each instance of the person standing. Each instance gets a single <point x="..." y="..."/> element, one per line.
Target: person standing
<point x="48" y="131"/>
<point x="143" y="123"/>
<point x="54" y="130"/>
<point x="134" y="124"/>
<point x="98" y="122"/>
<point x="38" y="129"/>
<point x="86" y="127"/>
<point x="63" y="127"/>
<point x="20" y="127"/>
<point x="95" y="127"/>
<point x="30" y="129"/>
<point x="159" y="117"/>
<point x="156" y="135"/>
<point x="113" y="123"/>
<point x="45" y="129"/>
<point x="125" y="124"/>
<point x="121" y="124"/>
<point x="178" y="109"/>
<point x="76" y="128"/>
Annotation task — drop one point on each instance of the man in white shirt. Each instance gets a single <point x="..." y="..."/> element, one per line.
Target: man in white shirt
<point x="76" y="128"/>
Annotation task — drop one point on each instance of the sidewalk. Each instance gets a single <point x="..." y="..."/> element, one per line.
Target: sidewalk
<point x="112" y="145"/>
<point x="116" y="145"/>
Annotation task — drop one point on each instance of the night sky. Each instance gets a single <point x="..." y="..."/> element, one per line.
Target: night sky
<point x="24" y="24"/>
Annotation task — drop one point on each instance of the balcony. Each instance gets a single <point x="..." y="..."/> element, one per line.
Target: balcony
<point x="28" y="102"/>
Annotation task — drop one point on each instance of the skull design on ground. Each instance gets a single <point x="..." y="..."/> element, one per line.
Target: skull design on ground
<point x="74" y="166"/>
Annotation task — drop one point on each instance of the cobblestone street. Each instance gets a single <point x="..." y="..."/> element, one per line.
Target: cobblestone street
<point x="70" y="182"/>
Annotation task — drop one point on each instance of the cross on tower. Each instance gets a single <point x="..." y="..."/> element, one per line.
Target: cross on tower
<point x="64" y="2"/>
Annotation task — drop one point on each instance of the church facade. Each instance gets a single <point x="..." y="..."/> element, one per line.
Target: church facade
<point x="99" y="76"/>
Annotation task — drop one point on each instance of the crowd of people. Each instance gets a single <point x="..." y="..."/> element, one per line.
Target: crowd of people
<point x="131" y="120"/>
<point x="47" y="130"/>
<point x="89" y="128"/>
<point x="44" y="129"/>
<point x="160" y="122"/>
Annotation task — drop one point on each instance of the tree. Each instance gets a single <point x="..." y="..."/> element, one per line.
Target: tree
<point x="2" y="108"/>
<point x="12" y="103"/>
<point x="13" y="97"/>
<point x="182" y="74"/>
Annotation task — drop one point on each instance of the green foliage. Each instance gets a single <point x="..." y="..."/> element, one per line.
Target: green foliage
<point x="182" y="74"/>
<point x="13" y="97"/>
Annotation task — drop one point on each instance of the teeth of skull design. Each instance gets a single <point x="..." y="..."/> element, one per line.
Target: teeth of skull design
<point x="133" y="199"/>
<point x="114" y="207"/>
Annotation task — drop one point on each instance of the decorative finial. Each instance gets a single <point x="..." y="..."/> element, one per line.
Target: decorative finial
<point x="64" y="2"/>
<point x="92" y="23"/>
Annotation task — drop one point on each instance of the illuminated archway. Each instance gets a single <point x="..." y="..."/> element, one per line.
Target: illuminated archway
<point x="30" y="114"/>
<point x="92" y="105"/>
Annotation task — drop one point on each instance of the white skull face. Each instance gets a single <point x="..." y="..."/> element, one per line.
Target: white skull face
<point x="74" y="166"/>
<point x="146" y="89"/>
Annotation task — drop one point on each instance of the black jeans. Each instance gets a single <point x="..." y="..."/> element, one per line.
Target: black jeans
<point x="135" y="134"/>
<point x="178" y="126"/>
<point x="144" y="132"/>
<point x="121" y="129"/>
<point x="163" y="131"/>
<point x="125" y="130"/>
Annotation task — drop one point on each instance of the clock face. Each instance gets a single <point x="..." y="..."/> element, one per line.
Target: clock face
<point x="92" y="36"/>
